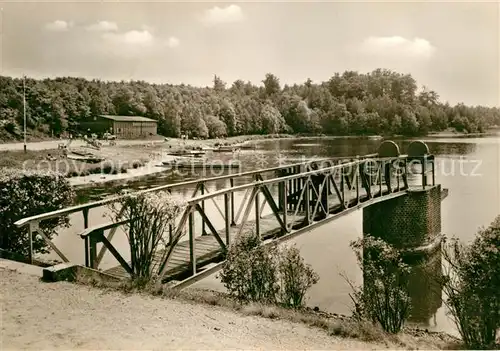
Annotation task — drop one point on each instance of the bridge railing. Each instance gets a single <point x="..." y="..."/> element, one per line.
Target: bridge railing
<point x="295" y="200"/>
<point x="301" y="199"/>
<point x="95" y="234"/>
<point x="296" y="193"/>
<point x="200" y="187"/>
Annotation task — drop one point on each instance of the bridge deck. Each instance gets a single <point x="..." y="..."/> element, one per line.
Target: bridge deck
<point x="209" y="251"/>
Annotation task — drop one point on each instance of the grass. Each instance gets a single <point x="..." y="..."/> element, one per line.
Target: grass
<point x="334" y="325"/>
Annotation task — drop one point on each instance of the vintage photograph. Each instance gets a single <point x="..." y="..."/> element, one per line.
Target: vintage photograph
<point x="251" y="175"/>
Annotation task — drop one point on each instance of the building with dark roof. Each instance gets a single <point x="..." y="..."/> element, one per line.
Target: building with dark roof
<point x="127" y="127"/>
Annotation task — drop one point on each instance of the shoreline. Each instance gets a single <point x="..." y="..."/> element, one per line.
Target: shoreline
<point x="119" y="160"/>
<point x="154" y="166"/>
<point x="149" y="153"/>
<point x="51" y="143"/>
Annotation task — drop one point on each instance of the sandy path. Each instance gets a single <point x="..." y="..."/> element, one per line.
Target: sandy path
<point x="38" y="315"/>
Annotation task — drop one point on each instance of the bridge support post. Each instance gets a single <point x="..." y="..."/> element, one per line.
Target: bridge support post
<point x="233" y="222"/>
<point x="192" y="243"/>
<point x="203" y="229"/>
<point x="320" y="186"/>
<point x="307" y="201"/>
<point x="257" y="215"/>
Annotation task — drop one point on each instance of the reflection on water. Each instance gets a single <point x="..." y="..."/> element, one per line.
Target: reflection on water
<point x="425" y="290"/>
<point x="474" y="201"/>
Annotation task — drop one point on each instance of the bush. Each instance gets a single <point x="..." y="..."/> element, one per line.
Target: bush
<point x="266" y="273"/>
<point x="383" y="298"/>
<point x="149" y="216"/>
<point x="472" y="285"/>
<point x="25" y="194"/>
<point x="295" y="277"/>
<point x="249" y="273"/>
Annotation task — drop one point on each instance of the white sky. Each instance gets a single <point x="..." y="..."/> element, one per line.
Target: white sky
<point x="450" y="47"/>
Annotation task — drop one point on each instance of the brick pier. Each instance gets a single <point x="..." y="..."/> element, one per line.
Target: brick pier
<point x="406" y="222"/>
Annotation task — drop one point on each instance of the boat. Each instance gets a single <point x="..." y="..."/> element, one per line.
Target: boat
<point x="247" y="146"/>
<point x="227" y="148"/>
<point x="197" y="164"/>
<point x="188" y="153"/>
<point x="207" y="166"/>
<point x="85" y="158"/>
<point x="182" y="160"/>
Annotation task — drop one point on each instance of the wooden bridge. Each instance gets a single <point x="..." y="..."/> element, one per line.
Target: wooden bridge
<point x="276" y="204"/>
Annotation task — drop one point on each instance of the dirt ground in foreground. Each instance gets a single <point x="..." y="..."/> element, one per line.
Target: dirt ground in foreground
<point x="37" y="315"/>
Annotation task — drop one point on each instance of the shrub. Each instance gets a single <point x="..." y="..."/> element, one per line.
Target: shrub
<point x="472" y="285"/>
<point x="295" y="277"/>
<point x="383" y="298"/>
<point x="249" y="273"/>
<point x="25" y="194"/>
<point x="149" y="216"/>
<point x="268" y="274"/>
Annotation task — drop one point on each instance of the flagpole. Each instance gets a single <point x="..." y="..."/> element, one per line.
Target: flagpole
<point x="24" y="108"/>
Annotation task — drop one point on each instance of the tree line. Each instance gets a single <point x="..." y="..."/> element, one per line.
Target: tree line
<point x="382" y="102"/>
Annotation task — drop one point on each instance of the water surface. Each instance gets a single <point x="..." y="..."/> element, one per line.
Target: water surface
<point x="468" y="167"/>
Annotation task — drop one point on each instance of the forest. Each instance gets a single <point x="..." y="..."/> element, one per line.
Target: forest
<point x="382" y="102"/>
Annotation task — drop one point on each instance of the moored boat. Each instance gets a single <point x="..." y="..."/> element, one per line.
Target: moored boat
<point x="85" y="158"/>
<point x="227" y="148"/>
<point x="207" y="165"/>
<point x="188" y="153"/>
<point x="247" y="146"/>
<point x="197" y="164"/>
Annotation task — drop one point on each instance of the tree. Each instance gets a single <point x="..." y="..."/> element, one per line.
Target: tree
<point x="219" y="85"/>
<point x="192" y="122"/>
<point x="59" y="120"/>
<point x="238" y="87"/>
<point x="216" y="128"/>
<point x="471" y="286"/>
<point x="271" y="85"/>
<point x="271" y="121"/>
<point x="409" y="123"/>
<point x="336" y="120"/>
<point x="26" y="194"/>
<point x="227" y="114"/>
<point x="383" y="299"/>
<point x="169" y="123"/>
<point x="379" y="102"/>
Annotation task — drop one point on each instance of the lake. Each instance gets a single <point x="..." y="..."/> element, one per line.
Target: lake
<point x="468" y="167"/>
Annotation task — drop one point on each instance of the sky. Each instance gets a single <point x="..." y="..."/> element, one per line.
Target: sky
<point x="450" y="47"/>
